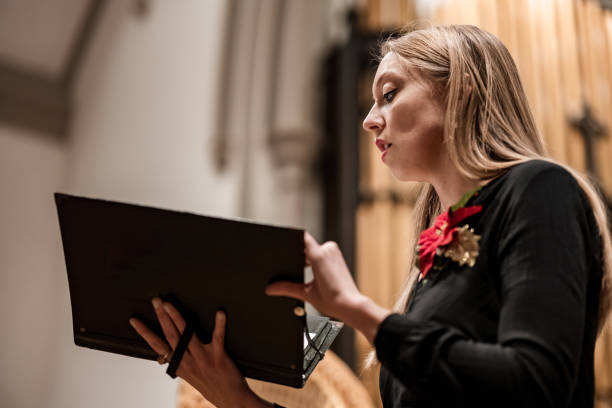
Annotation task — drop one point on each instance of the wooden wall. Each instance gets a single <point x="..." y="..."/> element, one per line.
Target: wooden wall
<point x="563" y="49"/>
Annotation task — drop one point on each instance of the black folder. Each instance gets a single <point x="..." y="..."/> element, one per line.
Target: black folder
<point x="119" y="256"/>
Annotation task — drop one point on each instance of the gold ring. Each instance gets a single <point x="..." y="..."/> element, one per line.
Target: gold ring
<point x="165" y="358"/>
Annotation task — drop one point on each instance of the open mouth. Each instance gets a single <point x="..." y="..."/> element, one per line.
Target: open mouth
<point x="382" y="145"/>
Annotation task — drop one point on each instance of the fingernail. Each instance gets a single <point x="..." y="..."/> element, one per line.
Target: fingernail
<point x="220" y="314"/>
<point x="133" y="322"/>
<point x="167" y="307"/>
<point x="156" y="302"/>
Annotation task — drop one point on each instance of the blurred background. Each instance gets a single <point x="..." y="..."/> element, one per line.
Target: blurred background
<point x="240" y="108"/>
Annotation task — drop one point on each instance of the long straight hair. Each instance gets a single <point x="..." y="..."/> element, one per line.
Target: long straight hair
<point x="488" y="125"/>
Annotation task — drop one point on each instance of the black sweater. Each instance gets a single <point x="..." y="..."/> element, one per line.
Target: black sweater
<point x="518" y="328"/>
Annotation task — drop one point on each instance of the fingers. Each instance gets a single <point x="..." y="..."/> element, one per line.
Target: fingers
<point x="289" y="289"/>
<point x="218" y="336"/>
<point x="157" y="344"/>
<point x="166" y="323"/>
<point x="309" y="242"/>
<point x="173" y="325"/>
<point x="310" y="245"/>
<point x="176" y="317"/>
<point x="179" y="322"/>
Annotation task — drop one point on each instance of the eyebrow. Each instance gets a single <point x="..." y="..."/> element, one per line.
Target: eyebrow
<point x="384" y="76"/>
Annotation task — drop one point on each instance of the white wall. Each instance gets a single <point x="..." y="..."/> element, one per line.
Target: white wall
<point x="143" y="127"/>
<point x="141" y="133"/>
<point x="31" y="169"/>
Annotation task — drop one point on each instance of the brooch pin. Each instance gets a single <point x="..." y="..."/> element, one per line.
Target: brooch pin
<point x="445" y="238"/>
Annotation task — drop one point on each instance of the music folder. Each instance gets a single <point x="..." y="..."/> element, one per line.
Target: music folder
<point x="119" y="256"/>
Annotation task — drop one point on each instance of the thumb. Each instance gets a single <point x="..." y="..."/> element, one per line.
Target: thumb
<point x="288" y="289"/>
<point x="218" y="336"/>
<point x="310" y="243"/>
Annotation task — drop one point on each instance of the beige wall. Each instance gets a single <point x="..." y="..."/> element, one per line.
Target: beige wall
<point x="143" y="131"/>
<point x="141" y="134"/>
<point x="31" y="269"/>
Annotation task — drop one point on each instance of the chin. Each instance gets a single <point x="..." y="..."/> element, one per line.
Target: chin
<point x="406" y="175"/>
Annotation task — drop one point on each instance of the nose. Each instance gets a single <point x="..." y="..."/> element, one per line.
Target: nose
<point x="374" y="122"/>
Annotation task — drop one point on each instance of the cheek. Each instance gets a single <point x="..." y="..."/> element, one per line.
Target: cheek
<point x="403" y="119"/>
<point x="418" y="124"/>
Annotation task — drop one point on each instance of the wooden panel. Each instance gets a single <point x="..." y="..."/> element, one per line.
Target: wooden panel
<point x="595" y="69"/>
<point x="373" y="255"/>
<point x="583" y="47"/>
<point x="603" y="368"/>
<point x="390" y="14"/>
<point x="603" y="351"/>
<point x="602" y="102"/>
<point x="528" y="65"/>
<point x="443" y="14"/>
<point x="608" y="35"/>
<point x="407" y="11"/>
<point x="373" y="15"/>
<point x="373" y="265"/>
<point x="465" y="11"/>
<point x="457" y="12"/>
<point x="571" y="80"/>
<point x="506" y="26"/>
<point x="487" y="15"/>
<point x="401" y="226"/>
<point x="599" y="23"/>
<point x="382" y="229"/>
<point x="547" y="63"/>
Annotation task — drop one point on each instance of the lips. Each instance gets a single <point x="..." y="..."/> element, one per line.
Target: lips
<point x="382" y="145"/>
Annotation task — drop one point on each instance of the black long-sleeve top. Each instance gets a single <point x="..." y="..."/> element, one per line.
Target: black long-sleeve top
<point x="518" y="328"/>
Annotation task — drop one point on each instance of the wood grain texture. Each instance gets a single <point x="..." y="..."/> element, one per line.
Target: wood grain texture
<point x="547" y="62"/>
<point x="597" y="85"/>
<point x="571" y="80"/>
<point x="506" y="26"/>
<point x="487" y="15"/>
<point x="373" y="15"/>
<point x="607" y="16"/>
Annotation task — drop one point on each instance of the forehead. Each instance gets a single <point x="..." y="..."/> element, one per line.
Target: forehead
<point x="389" y="62"/>
<point x="390" y="66"/>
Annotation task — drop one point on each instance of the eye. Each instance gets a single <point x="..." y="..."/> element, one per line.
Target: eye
<point x="388" y="97"/>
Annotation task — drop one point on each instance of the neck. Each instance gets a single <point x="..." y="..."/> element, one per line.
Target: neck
<point x="451" y="185"/>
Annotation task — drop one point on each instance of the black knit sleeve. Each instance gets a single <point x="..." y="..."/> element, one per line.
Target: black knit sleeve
<point x="542" y="267"/>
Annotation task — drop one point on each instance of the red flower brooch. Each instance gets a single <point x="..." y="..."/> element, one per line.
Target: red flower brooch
<point x="446" y="238"/>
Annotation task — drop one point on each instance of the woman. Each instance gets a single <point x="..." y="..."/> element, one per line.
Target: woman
<point x="513" y="255"/>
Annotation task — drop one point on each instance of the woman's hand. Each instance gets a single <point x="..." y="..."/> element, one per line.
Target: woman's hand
<point x="333" y="291"/>
<point x="205" y="366"/>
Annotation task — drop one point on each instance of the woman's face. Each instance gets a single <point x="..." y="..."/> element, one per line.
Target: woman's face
<point x="407" y="121"/>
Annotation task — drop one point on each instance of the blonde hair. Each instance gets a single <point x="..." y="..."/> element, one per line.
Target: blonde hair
<point x="487" y="129"/>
